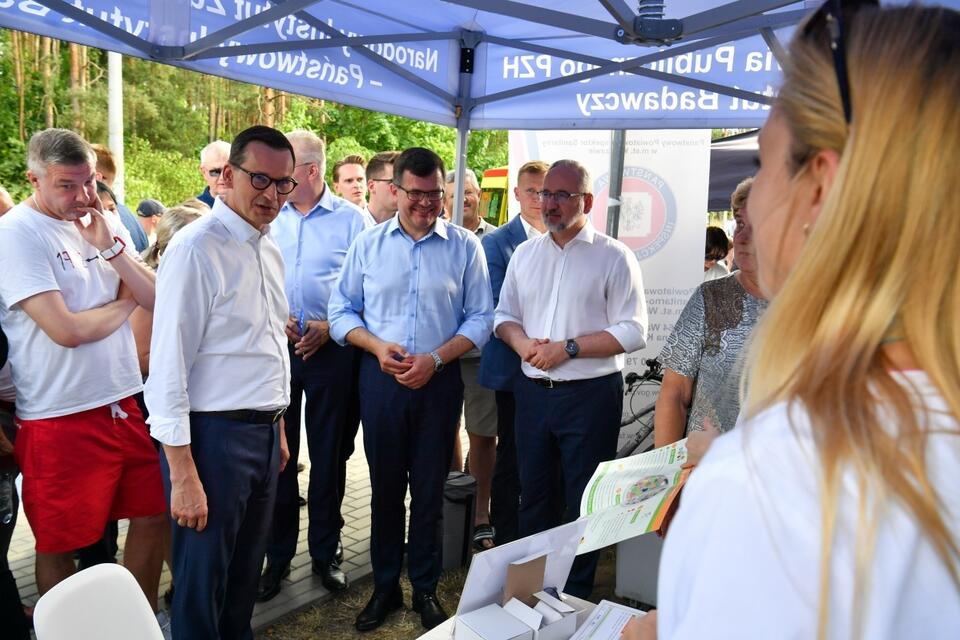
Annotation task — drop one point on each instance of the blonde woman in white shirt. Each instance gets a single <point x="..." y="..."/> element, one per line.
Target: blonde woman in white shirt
<point x="833" y="511"/>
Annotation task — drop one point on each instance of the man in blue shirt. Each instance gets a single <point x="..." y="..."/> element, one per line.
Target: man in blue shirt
<point x="414" y="294"/>
<point x="313" y="230"/>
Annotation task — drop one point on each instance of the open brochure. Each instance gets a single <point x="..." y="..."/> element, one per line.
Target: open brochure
<point x="631" y="496"/>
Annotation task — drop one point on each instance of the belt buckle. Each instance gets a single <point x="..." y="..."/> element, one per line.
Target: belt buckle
<point x="278" y="414"/>
<point x="546" y="382"/>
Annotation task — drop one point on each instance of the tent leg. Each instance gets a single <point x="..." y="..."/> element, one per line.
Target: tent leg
<point x="618" y="147"/>
<point x="463" y="134"/>
<point x="115" y="118"/>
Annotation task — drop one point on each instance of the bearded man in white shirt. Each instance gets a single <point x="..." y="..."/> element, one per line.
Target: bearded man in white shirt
<point x="571" y="305"/>
<point x="219" y="383"/>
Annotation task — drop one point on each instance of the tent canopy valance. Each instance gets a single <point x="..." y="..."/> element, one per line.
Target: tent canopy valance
<point x="492" y="63"/>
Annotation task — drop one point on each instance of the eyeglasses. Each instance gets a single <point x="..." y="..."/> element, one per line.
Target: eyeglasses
<point x="828" y="22"/>
<point x="262" y="181"/>
<point x="215" y="173"/>
<point x="561" y="197"/>
<point x="419" y="196"/>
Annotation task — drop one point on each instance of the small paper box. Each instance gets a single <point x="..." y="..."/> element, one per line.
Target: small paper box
<point x="491" y="622"/>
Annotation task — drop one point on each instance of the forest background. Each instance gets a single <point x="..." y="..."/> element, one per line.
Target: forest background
<point x="171" y="113"/>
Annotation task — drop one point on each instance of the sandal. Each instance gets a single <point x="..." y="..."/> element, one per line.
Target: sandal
<point x="481" y="533"/>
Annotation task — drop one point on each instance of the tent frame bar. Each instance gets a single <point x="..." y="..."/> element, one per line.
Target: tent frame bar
<point x="275" y="12"/>
<point x="548" y="17"/>
<point x="326" y="43"/>
<point x="98" y="25"/>
<point x="626" y="65"/>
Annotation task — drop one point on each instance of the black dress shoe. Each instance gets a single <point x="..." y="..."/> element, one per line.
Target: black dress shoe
<point x="331" y="575"/>
<point x="270" y="580"/>
<point x="339" y="554"/>
<point x="431" y="613"/>
<point x="381" y="604"/>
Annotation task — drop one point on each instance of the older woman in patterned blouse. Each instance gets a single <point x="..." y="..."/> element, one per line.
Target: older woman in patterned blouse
<point x="702" y="357"/>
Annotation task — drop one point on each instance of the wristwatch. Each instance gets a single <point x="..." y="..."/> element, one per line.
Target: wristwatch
<point x="572" y="348"/>
<point x="117" y="248"/>
<point x="437" y="362"/>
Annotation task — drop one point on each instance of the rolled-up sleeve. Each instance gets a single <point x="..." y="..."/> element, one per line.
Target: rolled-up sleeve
<point x="346" y="298"/>
<point x="626" y="304"/>
<point x="477" y="297"/>
<point x="184" y="295"/>
<point x="508" y="308"/>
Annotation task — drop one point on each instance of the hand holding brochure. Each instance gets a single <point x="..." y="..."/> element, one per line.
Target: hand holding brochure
<point x="631" y="496"/>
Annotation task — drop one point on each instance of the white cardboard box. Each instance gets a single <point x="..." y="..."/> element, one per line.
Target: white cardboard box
<point x="498" y="571"/>
<point x="491" y="622"/>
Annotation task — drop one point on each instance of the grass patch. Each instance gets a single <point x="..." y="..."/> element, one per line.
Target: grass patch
<point x="333" y="620"/>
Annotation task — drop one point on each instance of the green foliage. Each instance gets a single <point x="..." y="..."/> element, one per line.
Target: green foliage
<point x="171" y="113"/>
<point x="342" y="147"/>
<point x="168" y="176"/>
<point x="13" y="169"/>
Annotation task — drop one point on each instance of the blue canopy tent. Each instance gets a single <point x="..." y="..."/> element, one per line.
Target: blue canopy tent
<point x="479" y="64"/>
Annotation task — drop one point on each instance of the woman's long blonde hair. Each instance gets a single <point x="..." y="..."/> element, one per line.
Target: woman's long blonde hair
<point x="172" y="220"/>
<point x="880" y="265"/>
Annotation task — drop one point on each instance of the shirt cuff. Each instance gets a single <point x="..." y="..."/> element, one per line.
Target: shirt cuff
<point x="174" y="432"/>
<point x="499" y="317"/>
<point x="342" y="326"/>
<point x="630" y="335"/>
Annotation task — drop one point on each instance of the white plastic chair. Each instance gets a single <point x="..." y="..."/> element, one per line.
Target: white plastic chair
<point x="103" y="602"/>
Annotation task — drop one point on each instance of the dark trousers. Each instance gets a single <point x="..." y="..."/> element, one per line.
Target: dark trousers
<point x="505" y="486"/>
<point x="573" y="425"/>
<point x="408" y="438"/>
<point x="325" y="379"/>
<point x="350" y="429"/>
<point x="218" y="568"/>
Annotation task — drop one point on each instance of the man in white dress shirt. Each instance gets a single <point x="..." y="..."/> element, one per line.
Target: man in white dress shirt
<point x="571" y="305"/>
<point x="219" y="382"/>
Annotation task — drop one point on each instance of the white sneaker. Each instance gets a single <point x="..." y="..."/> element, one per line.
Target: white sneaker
<point x="163" y="619"/>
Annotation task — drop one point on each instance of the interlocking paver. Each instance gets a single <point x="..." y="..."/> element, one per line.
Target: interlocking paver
<point x="302" y="589"/>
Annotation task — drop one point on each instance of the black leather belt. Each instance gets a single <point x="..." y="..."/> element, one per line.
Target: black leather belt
<point x="550" y="384"/>
<point x="250" y="416"/>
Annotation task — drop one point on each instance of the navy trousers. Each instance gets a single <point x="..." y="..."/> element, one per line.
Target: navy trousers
<point x="350" y="429"/>
<point x="408" y="438"/>
<point x="325" y="379"/>
<point x="505" y="486"/>
<point x="575" y="426"/>
<point x="217" y="569"/>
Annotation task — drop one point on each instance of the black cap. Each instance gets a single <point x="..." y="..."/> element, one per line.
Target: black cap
<point x="149" y="208"/>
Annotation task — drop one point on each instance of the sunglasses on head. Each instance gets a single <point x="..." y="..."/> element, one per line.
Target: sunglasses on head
<point x="829" y="23"/>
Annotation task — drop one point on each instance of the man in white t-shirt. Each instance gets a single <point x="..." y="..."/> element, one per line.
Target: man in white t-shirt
<point x="70" y="281"/>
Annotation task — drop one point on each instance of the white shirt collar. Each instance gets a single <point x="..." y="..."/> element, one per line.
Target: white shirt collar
<point x="530" y="230"/>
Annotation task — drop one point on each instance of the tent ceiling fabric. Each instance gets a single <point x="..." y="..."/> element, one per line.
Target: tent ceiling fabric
<point x="490" y="63"/>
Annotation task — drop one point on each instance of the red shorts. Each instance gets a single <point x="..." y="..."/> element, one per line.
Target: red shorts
<point x="81" y="470"/>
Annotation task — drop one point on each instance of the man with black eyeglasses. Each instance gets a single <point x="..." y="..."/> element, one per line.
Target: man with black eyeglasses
<point x="571" y="305"/>
<point x="414" y="294"/>
<point x="219" y="384"/>
<point x="212" y="158"/>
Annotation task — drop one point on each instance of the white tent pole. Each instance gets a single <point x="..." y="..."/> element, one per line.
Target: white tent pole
<point x="618" y="146"/>
<point x="468" y="44"/>
<point x="463" y="134"/>
<point x="115" y="117"/>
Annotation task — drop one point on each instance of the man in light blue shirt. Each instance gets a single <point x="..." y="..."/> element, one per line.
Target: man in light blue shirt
<point x="414" y="294"/>
<point x="313" y="230"/>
